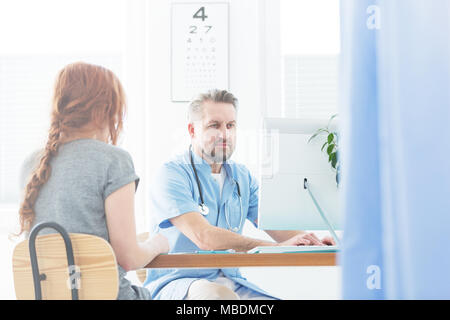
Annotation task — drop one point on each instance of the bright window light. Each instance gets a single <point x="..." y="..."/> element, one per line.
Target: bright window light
<point x="61" y="26"/>
<point x="309" y="26"/>
<point x="310" y="47"/>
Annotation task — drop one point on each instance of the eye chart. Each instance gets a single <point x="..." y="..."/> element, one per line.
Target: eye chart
<point x="199" y="52"/>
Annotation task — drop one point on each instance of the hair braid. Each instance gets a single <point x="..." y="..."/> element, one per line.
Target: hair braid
<point x="40" y="176"/>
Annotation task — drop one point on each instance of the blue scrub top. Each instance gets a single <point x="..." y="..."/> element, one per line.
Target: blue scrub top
<point x="175" y="192"/>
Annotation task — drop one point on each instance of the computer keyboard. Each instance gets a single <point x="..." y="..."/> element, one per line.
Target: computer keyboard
<point x="293" y="249"/>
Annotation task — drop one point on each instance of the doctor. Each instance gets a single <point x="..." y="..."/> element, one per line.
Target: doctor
<point x="200" y="201"/>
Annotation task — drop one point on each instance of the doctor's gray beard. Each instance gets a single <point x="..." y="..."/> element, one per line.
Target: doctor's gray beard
<point x="218" y="157"/>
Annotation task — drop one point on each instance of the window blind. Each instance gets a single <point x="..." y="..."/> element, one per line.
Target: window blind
<point x="310" y="85"/>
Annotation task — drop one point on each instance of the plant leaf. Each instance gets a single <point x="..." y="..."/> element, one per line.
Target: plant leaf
<point x="330" y="148"/>
<point x="333" y="163"/>
<point x="326" y="142"/>
<point x="317" y="133"/>
<point x="330" y="138"/>
<point x="333" y="160"/>
<point x="331" y="118"/>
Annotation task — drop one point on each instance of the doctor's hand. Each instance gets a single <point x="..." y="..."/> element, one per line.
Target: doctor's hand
<point x="328" y="241"/>
<point x="308" y="239"/>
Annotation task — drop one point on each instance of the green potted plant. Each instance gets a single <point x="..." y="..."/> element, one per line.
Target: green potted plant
<point x="331" y="146"/>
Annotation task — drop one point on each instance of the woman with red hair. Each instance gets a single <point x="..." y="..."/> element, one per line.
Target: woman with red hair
<point x="81" y="179"/>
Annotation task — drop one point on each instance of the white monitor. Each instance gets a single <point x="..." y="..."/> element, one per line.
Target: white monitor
<point x="288" y="159"/>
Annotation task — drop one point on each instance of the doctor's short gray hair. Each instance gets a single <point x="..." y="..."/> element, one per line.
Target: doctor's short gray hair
<point x="195" y="109"/>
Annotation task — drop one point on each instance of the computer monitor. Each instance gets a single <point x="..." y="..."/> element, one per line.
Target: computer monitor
<point x="287" y="159"/>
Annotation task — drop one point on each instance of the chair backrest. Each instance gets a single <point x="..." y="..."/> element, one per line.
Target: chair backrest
<point x="142" y="273"/>
<point x="92" y="255"/>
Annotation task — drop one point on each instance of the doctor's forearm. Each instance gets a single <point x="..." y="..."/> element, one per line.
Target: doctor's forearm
<point x="283" y="235"/>
<point x="215" y="238"/>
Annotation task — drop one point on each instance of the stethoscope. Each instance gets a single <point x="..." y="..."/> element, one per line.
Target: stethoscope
<point x="204" y="210"/>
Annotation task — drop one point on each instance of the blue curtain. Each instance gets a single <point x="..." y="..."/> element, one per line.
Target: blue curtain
<point x="395" y="126"/>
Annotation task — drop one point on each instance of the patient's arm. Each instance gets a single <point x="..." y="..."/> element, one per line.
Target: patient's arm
<point x="131" y="254"/>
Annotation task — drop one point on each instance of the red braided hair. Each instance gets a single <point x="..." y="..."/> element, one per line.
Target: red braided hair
<point x="84" y="94"/>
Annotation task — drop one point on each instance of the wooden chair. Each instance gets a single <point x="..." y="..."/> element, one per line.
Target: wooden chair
<point x="91" y="274"/>
<point x="142" y="273"/>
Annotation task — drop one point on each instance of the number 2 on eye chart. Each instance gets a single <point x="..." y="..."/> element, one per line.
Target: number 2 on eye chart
<point x="193" y="29"/>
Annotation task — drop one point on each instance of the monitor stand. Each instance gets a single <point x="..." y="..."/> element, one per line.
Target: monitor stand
<point x="322" y="214"/>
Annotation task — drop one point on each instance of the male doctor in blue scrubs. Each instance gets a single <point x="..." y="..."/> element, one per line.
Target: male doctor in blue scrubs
<point x="200" y="201"/>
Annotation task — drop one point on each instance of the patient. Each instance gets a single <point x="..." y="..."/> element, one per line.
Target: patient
<point x="81" y="180"/>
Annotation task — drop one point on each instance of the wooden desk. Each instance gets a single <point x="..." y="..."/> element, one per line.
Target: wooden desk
<point x="233" y="260"/>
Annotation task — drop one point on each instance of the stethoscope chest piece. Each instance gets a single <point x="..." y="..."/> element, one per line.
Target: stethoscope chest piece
<point x="204" y="210"/>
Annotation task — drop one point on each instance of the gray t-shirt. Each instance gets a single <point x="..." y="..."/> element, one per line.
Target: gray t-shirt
<point x="83" y="174"/>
